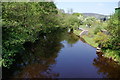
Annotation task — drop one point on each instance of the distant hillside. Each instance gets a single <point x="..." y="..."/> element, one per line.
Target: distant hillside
<point x="98" y="16"/>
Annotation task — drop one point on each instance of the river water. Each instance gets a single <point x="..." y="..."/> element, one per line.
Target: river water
<point x="61" y="55"/>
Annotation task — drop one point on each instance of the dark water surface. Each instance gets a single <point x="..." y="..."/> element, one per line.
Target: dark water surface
<point x="61" y="55"/>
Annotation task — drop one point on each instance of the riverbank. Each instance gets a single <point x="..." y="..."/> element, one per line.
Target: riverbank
<point x="90" y="41"/>
<point x="108" y="53"/>
<point x="88" y="38"/>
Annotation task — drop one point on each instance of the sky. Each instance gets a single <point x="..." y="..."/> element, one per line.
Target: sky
<point x="104" y="7"/>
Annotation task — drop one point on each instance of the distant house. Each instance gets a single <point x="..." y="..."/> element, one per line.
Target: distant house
<point x="103" y="19"/>
<point x="117" y="10"/>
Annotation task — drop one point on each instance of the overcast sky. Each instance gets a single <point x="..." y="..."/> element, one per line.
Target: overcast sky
<point x="105" y="7"/>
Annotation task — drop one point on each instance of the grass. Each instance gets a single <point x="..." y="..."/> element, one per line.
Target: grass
<point x="90" y="40"/>
<point x="77" y="32"/>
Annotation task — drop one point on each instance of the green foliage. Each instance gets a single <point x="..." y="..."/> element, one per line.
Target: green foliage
<point x="97" y="29"/>
<point x="101" y="38"/>
<point x="81" y="19"/>
<point x="114" y="31"/>
<point x="90" y="20"/>
<point x="114" y="54"/>
<point x="22" y="22"/>
<point x="112" y="47"/>
<point x="77" y="14"/>
<point x="71" y="21"/>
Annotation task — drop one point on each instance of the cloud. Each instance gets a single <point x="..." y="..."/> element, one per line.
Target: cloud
<point x="100" y="4"/>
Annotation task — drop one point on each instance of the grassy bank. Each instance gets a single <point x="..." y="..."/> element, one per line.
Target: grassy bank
<point x="88" y="38"/>
<point x="108" y="53"/>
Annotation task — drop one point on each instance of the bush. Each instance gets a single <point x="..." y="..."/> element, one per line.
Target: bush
<point x="114" y="30"/>
<point x="97" y="29"/>
<point x="101" y="38"/>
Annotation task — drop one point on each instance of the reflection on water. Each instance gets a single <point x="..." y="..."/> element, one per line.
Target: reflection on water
<point x="107" y="67"/>
<point x="60" y="55"/>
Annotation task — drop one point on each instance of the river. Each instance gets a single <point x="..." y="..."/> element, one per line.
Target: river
<point x="61" y="55"/>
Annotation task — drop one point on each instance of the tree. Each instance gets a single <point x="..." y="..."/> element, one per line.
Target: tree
<point x="71" y="21"/>
<point x="90" y="20"/>
<point x="22" y="22"/>
<point x="114" y="31"/>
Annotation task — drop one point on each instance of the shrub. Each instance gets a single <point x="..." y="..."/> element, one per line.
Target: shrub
<point x="101" y="38"/>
